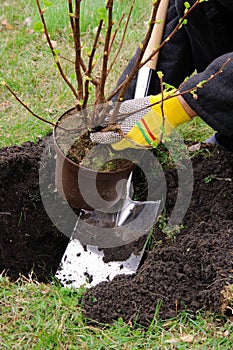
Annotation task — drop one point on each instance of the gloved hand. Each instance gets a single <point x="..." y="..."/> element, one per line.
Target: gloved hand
<point x="145" y="125"/>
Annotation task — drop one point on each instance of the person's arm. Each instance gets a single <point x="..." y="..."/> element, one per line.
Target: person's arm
<point x="214" y="102"/>
<point x="148" y="118"/>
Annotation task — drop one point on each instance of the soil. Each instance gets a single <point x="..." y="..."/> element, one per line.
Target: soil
<point x="82" y="150"/>
<point x="28" y="239"/>
<point x="187" y="270"/>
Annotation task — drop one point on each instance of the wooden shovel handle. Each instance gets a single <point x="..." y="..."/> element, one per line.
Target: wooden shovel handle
<point x="156" y="35"/>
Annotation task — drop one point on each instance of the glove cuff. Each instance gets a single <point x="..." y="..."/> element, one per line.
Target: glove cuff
<point x="173" y="110"/>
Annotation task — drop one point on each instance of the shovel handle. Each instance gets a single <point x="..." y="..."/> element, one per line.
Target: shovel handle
<point x="156" y="35"/>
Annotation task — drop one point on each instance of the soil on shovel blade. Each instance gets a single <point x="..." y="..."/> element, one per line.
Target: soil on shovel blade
<point x="187" y="271"/>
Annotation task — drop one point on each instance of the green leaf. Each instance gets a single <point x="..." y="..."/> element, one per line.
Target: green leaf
<point x="38" y="27"/>
<point x="47" y="3"/>
<point x="57" y="52"/>
<point x="102" y="12"/>
<point x="168" y="87"/>
<point x="90" y="89"/>
<point x="72" y="76"/>
<point x="3" y="83"/>
<point x="201" y="83"/>
<point x="87" y="78"/>
<point x="155" y="143"/>
<point x="87" y="51"/>
<point x="160" y="74"/>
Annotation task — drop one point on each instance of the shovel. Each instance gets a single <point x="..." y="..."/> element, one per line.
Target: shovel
<point x="104" y="245"/>
<point x="145" y="73"/>
<point x="122" y="235"/>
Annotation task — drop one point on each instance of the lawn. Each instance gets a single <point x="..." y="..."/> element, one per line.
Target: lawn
<point x="40" y="316"/>
<point x="27" y="65"/>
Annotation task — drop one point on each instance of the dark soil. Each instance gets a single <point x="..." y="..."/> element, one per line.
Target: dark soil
<point x="82" y="150"/>
<point x="80" y="153"/>
<point x="28" y="239"/>
<point x="186" y="271"/>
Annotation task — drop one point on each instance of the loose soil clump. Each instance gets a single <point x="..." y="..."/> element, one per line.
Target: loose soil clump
<point x="188" y="270"/>
<point x="78" y="147"/>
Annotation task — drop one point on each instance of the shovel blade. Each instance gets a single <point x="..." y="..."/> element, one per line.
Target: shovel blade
<point x="84" y="264"/>
<point x="85" y="267"/>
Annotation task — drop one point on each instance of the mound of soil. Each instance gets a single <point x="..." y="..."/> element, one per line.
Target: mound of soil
<point x="188" y="270"/>
<point x="28" y="239"/>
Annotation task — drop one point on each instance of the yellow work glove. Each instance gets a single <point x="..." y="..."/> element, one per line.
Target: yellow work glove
<point x="145" y="125"/>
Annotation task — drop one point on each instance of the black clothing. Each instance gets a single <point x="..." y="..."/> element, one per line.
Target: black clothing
<point x="200" y="46"/>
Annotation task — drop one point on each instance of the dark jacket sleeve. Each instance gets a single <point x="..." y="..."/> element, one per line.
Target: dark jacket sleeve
<point x="214" y="103"/>
<point x="227" y="4"/>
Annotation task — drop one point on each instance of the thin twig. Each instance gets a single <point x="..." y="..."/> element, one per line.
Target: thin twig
<point x="72" y="24"/>
<point x="27" y="108"/>
<point x="53" y="51"/>
<point x="71" y="14"/>
<point x="122" y="39"/>
<point x="201" y="84"/>
<point x="36" y="115"/>
<point x="137" y="64"/>
<point x="67" y="59"/>
<point x="115" y="31"/>
<point x="176" y="92"/>
<point x="77" y="42"/>
<point x="175" y="30"/>
<point x="90" y="65"/>
<point x="135" y="69"/>
<point x="124" y="115"/>
<point x="101" y="96"/>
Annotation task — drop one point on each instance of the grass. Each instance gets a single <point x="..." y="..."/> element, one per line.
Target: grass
<point x="39" y="316"/>
<point x="27" y="64"/>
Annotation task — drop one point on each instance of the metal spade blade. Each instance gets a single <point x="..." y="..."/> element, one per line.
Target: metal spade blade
<point x="104" y="245"/>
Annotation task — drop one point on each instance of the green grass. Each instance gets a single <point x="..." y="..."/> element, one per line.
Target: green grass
<point x="27" y="64"/>
<point x="40" y="316"/>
